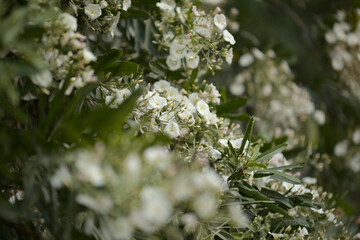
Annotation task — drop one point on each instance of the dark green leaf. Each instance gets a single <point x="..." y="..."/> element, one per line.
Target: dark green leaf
<point x="271" y="152"/>
<point x="231" y="106"/>
<point x="248" y="134"/>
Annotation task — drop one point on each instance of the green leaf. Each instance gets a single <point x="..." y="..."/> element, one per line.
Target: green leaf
<point x="107" y="59"/>
<point x="276" y="196"/>
<point x="281" y="176"/>
<point x="231" y="106"/>
<point x="255" y="164"/>
<point x="279" y="223"/>
<point x="156" y="68"/>
<point x="237" y="117"/>
<point x="124" y="68"/>
<point x="248" y="134"/>
<point x="131" y="13"/>
<point x="271" y="152"/>
<point x="250" y="191"/>
<point x="303" y="200"/>
<point x="291" y="166"/>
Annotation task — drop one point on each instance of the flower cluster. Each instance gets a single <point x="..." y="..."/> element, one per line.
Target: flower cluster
<point x="192" y="36"/>
<point x="282" y="106"/>
<point x="65" y="51"/>
<point x="102" y="15"/>
<point x="349" y="149"/>
<point x="167" y="109"/>
<point x="344" y="49"/>
<point x="190" y="194"/>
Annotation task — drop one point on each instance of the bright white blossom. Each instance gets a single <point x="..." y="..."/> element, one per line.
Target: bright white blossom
<point x="93" y="11"/>
<point x="220" y="21"/>
<point x="228" y="37"/>
<point x="172" y="129"/>
<point x="43" y="79"/>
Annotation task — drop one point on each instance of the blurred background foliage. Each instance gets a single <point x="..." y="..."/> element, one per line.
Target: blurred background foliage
<point x="295" y="31"/>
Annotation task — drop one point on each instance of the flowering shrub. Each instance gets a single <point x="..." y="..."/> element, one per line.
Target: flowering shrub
<point x="100" y="144"/>
<point x="283" y="107"/>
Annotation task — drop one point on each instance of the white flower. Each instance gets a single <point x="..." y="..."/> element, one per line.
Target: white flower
<point x="238" y="216"/>
<point x="341" y="148"/>
<point x="88" y="56"/>
<point x="237" y="143"/>
<point x="178" y="47"/>
<point x="330" y="37"/>
<point x="354" y="163"/>
<point x="156" y="155"/>
<point x="88" y="76"/>
<point x="172" y="94"/>
<point x="246" y="59"/>
<point x="319" y="117"/>
<point x="194" y="98"/>
<point x="20" y="195"/>
<point x="277" y="235"/>
<point x="153" y="125"/>
<point x="166" y="5"/>
<point x="184" y="189"/>
<point x="214" y="94"/>
<point x="167" y="116"/>
<point x="258" y="54"/>
<point x="103" y="4"/>
<point x="121" y="228"/>
<point x="110" y="101"/>
<point x="61" y="177"/>
<point x="202" y="26"/>
<point x="132" y="164"/>
<point x="211" y="119"/>
<point x="157" y="102"/>
<point x="89" y="169"/>
<point x="215" y="154"/>
<point x="220" y="21"/>
<point x="172" y="130"/>
<point x="352" y="39"/>
<point x="155" y="211"/>
<point x="205" y="205"/>
<point x="331" y="217"/>
<point x="102" y="204"/>
<point x="303" y="231"/>
<point x="228" y="37"/>
<point x="229" y="56"/>
<point x="188" y="105"/>
<point x="93" y="11"/>
<point x="114" y="24"/>
<point x="122" y="95"/>
<point x="203" y="108"/>
<point x="126" y="5"/>
<point x="212" y="179"/>
<point x="190" y="221"/>
<point x="12" y="199"/>
<point x="192" y="60"/>
<point x="42" y="79"/>
<point x="161" y="85"/>
<point x="173" y="63"/>
<point x="278" y="160"/>
<point x="309" y="180"/>
<point x="187" y="116"/>
<point x="356" y="136"/>
<point x="69" y="21"/>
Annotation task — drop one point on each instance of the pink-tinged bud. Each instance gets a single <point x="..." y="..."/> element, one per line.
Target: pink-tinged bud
<point x="148" y="87"/>
<point x="188" y="35"/>
<point x="217" y="10"/>
<point x="195" y="11"/>
<point x="200" y="148"/>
